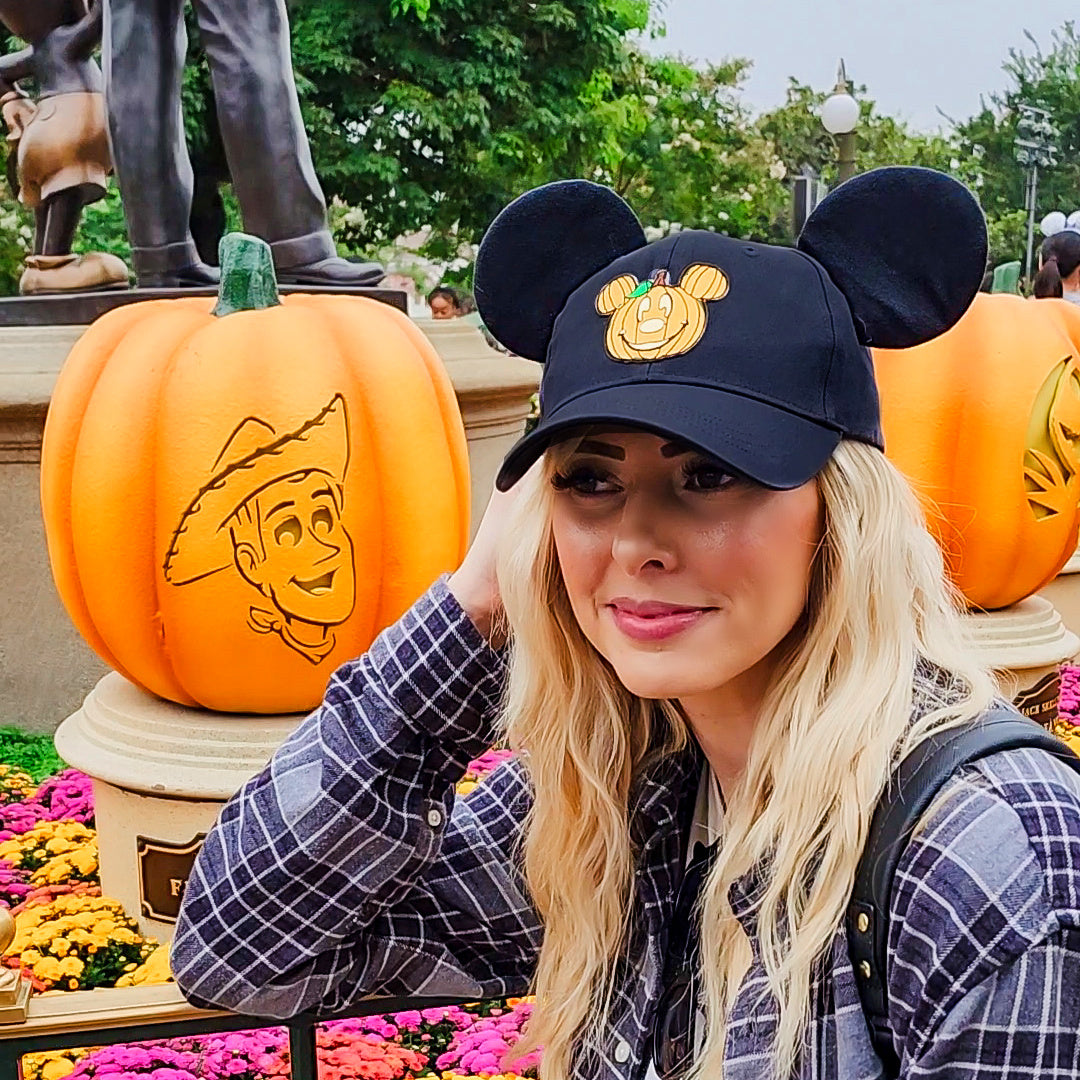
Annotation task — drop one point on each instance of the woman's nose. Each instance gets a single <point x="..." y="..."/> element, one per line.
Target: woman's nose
<point x="640" y="537"/>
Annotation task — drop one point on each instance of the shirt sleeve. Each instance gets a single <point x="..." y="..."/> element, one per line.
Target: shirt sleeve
<point x="347" y="866"/>
<point x="1021" y="1022"/>
<point x="984" y="960"/>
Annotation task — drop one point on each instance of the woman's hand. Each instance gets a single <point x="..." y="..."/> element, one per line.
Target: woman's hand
<point x="475" y="584"/>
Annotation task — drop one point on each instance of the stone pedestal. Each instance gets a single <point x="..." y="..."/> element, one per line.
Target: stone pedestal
<point x="1064" y="593"/>
<point x="1027" y="643"/>
<point x="45" y="668"/>
<point x="161" y="774"/>
<point x="493" y="391"/>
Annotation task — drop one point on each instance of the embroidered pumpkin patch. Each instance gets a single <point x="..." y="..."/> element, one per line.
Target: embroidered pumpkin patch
<point x="653" y="319"/>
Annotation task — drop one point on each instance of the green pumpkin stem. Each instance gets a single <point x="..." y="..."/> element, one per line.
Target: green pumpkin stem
<point x="248" y="282"/>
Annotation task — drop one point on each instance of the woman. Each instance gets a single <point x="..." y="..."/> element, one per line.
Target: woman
<point x="1059" y="267"/>
<point x="726" y="622"/>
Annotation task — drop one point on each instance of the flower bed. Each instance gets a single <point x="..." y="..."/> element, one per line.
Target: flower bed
<point x="69" y="937"/>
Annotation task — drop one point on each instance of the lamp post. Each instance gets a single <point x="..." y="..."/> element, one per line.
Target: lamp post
<point x="1033" y="148"/>
<point x="839" y="117"/>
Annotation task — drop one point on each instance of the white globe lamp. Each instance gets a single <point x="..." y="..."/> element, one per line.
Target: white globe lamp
<point x="840" y="114"/>
<point x="840" y="117"/>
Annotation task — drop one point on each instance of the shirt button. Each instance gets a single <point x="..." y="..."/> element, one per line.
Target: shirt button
<point x="434" y="818"/>
<point x="622" y="1051"/>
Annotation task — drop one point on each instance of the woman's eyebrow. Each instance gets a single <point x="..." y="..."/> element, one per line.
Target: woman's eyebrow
<point x="603" y="449"/>
<point x="675" y="449"/>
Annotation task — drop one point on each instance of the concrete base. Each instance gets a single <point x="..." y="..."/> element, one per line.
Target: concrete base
<point x="45" y="668"/>
<point x="161" y="775"/>
<point x="1064" y="593"/>
<point x="1026" y="643"/>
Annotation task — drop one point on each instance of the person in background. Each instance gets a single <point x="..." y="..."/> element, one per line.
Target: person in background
<point x="1059" y="267"/>
<point x="445" y="302"/>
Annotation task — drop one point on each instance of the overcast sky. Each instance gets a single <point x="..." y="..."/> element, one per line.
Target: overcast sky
<point x="913" y="56"/>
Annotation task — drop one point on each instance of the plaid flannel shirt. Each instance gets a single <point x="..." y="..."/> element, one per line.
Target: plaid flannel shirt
<point x="348" y="867"/>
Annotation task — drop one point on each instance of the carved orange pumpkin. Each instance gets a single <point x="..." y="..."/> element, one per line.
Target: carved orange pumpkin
<point x="984" y="422"/>
<point x="238" y="500"/>
<point x="653" y="320"/>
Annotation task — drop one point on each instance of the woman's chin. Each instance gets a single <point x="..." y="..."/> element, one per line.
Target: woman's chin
<point x="660" y="684"/>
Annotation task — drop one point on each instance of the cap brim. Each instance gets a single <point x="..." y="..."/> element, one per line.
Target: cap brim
<point x="775" y="447"/>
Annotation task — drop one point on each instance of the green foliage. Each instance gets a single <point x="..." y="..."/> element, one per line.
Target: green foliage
<point x="103" y="227"/>
<point x="439" y="121"/>
<point x="677" y="142"/>
<point x="16" y="241"/>
<point x="799" y="139"/>
<point x="34" y="754"/>
<point x="1049" y="80"/>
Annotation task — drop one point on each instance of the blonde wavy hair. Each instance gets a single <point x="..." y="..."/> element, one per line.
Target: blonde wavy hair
<point x="881" y="664"/>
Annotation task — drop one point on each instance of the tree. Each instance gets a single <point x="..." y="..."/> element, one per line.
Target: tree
<point x="1049" y="80"/>
<point x="799" y="138"/>
<point x="437" y="116"/>
<point x="678" y="143"/>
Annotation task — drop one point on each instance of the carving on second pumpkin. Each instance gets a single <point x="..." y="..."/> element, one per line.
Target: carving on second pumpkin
<point x="272" y="512"/>
<point x="1052" y="457"/>
<point x="655" y="320"/>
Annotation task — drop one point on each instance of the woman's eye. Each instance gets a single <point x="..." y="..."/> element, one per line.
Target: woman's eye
<point x="584" y="481"/>
<point x="704" y="477"/>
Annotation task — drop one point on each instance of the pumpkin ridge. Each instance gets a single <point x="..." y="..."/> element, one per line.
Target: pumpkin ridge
<point x="456" y="439"/>
<point x="86" y="351"/>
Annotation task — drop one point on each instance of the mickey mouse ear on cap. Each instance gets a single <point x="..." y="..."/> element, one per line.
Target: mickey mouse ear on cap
<point x="539" y="249"/>
<point x="907" y="248"/>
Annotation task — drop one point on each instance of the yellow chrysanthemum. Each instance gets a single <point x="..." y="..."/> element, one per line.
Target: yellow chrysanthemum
<point x="71" y="967"/>
<point x="57" y="1068"/>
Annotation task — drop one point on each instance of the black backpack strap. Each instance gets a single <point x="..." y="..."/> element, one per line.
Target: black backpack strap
<point x="912" y="788"/>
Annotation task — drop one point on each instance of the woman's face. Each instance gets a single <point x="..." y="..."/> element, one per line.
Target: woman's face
<point x="684" y="577"/>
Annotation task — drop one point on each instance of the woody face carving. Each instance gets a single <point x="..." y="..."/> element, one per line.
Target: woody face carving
<point x="289" y="542"/>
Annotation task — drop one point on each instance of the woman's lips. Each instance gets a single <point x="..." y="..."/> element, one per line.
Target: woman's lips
<point x="654" y="621"/>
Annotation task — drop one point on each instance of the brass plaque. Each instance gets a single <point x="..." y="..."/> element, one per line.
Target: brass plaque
<point x="163" y="872"/>
<point x="1040" y="701"/>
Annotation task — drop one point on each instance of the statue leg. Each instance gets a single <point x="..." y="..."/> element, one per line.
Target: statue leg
<point x="41" y="224"/>
<point x="143" y="49"/>
<point x="247" y="45"/>
<point x="61" y="218"/>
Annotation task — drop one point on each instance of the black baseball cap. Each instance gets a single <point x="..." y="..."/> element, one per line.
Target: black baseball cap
<point x="754" y="353"/>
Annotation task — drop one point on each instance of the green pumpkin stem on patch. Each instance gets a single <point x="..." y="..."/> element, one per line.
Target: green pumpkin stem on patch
<point x="248" y="282"/>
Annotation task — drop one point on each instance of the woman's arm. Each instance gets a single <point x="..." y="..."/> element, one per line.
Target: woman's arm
<point x="1023" y="1020"/>
<point x="345" y="867"/>
<point x="984" y="935"/>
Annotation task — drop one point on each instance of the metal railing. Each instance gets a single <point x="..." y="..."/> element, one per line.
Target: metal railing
<point x="137" y="1014"/>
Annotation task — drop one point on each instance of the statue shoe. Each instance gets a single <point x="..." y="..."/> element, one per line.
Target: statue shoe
<point x="331" y="271"/>
<point x="71" y="273"/>
<point x="196" y="275"/>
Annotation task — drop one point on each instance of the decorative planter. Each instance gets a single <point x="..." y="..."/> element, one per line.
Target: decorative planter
<point x="1026" y="643"/>
<point x="161" y="774"/>
<point x="1064" y="593"/>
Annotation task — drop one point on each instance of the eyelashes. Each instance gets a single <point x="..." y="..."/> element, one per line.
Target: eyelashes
<point x="699" y="475"/>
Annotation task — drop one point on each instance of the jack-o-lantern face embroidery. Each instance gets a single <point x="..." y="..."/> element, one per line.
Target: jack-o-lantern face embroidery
<point x="653" y="319"/>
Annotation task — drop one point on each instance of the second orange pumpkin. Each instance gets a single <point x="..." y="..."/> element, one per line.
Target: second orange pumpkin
<point x="984" y="422"/>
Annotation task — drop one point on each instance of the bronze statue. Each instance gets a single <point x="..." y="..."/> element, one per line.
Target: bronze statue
<point x="59" y="140"/>
<point x="247" y="47"/>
